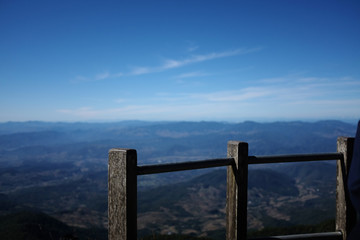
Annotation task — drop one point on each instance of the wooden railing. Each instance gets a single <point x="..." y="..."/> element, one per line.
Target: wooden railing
<point x="123" y="172"/>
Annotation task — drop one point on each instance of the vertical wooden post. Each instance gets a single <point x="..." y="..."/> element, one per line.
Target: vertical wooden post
<point x="236" y="195"/>
<point x="122" y="196"/>
<point x="345" y="213"/>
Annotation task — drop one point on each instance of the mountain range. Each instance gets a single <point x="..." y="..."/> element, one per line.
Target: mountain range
<point x="60" y="169"/>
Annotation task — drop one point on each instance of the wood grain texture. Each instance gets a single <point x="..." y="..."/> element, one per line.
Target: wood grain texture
<point x="345" y="213"/>
<point x="122" y="196"/>
<point x="236" y="194"/>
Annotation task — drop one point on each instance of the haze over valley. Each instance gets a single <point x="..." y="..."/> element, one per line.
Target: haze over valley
<point x="60" y="169"/>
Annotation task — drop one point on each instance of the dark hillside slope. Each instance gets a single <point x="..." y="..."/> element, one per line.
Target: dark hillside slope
<point x="272" y="181"/>
<point x="61" y="169"/>
<point x="311" y="172"/>
<point x="32" y="225"/>
<point x="198" y="206"/>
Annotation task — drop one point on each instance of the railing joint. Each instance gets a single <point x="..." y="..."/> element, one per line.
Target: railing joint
<point x="123" y="172"/>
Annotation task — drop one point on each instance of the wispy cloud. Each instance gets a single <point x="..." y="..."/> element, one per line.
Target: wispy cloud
<point x="192" y="74"/>
<point x="126" y="112"/>
<point x="235" y="96"/>
<point x="142" y="70"/>
<point x="283" y="97"/>
<point x="169" y="64"/>
<point x="78" y="79"/>
<point x="102" y="76"/>
<point x="192" y="46"/>
<point x="98" y="77"/>
<point x="120" y="100"/>
<point x="206" y="57"/>
<point x="173" y="63"/>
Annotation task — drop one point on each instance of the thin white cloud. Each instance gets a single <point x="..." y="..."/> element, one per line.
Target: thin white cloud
<point x="80" y="79"/>
<point x="126" y="112"/>
<point x="141" y="70"/>
<point x="240" y="95"/>
<point x="285" y="91"/>
<point x="172" y="63"/>
<point x="116" y="75"/>
<point x="322" y="84"/>
<point x="82" y="112"/>
<point x="192" y="46"/>
<point x="192" y="74"/>
<point x="333" y="102"/>
<point x="206" y="57"/>
<point x="102" y="76"/>
<point x="283" y="97"/>
<point x="98" y="77"/>
<point x="168" y="64"/>
<point x="120" y="100"/>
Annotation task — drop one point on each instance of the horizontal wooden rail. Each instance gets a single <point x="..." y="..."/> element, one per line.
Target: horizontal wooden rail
<point x="192" y="165"/>
<point x="220" y="162"/>
<point x="309" y="236"/>
<point x="123" y="170"/>
<point x="294" y="158"/>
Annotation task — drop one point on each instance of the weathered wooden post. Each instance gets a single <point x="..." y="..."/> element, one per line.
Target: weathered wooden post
<point x="345" y="213"/>
<point x="236" y="195"/>
<point x="122" y="196"/>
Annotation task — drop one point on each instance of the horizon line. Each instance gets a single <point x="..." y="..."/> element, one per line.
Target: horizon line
<point x="262" y="120"/>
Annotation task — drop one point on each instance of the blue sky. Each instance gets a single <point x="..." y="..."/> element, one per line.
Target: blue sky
<point x="179" y="60"/>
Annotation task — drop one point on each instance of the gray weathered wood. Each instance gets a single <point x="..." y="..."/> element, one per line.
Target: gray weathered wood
<point x="122" y="187"/>
<point x="122" y="196"/>
<point x="236" y="196"/>
<point x="345" y="213"/>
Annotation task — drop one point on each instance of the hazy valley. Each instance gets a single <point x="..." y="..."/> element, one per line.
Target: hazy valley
<point x="60" y="169"/>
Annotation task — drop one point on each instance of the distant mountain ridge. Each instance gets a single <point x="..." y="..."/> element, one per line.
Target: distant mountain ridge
<point x="155" y="140"/>
<point x="61" y="170"/>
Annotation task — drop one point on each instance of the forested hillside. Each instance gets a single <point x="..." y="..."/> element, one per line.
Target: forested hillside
<point x="60" y="169"/>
